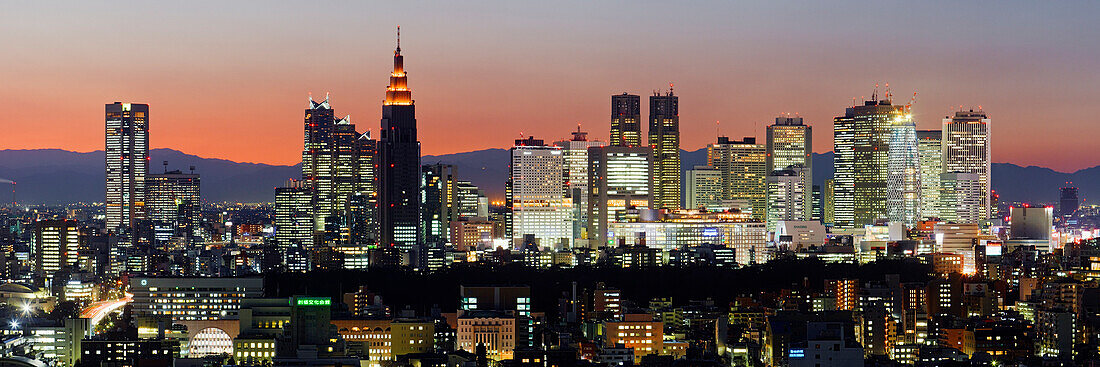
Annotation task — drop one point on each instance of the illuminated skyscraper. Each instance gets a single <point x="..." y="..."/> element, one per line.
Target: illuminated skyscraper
<point x="56" y="245"/>
<point x="664" y="138"/>
<point x="399" y="160"/>
<point x="294" y="215"/>
<point x="787" y="196"/>
<point x="127" y="163"/>
<point x="861" y="146"/>
<point x="537" y="197"/>
<point x="903" y="179"/>
<point x="173" y="201"/>
<point x="330" y="163"/>
<point x="626" y="121"/>
<point x="440" y="202"/>
<point x="930" y="153"/>
<point x="960" y="197"/>
<point x="790" y="143"/>
<point x="575" y="151"/>
<point x="704" y="188"/>
<point x="618" y="179"/>
<point x="828" y="203"/>
<point x="966" y="149"/>
<point x="743" y="166"/>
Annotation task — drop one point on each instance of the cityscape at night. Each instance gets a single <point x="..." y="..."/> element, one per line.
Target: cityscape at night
<point x="845" y="184"/>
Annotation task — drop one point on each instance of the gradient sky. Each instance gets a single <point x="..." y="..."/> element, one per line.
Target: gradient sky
<point x="229" y="79"/>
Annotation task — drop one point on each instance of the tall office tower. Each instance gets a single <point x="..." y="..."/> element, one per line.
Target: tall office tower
<point x="294" y="215"/>
<point x="787" y="196"/>
<point x="173" y="202"/>
<point x="960" y="197"/>
<point x="828" y="203"/>
<point x="440" y="202"/>
<point x="704" y="188"/>
<point x="362" y="207"/>
<point x="399" y="158"/>
<point x="903" y="179"/>
<point x="618" y="179"/>
<point x="1067" y="200"/>
<point x="537" y="195"/>
<point x="930" y="154"/>
<point x="575" y="151"/>
<point x="127" y="163"/>
<point x="626" y="121"/>
<point x="790" y="143"/>
<point x="664" y="138"/>
<point x="966" y="149"/>
<point x="861" y="144"/>
<point x="744" y="167"/>
<point x="470" y="199"/>
<point x="815" y="202"/>
<point x="56" y="245"/>
<point x="330" y="164"/>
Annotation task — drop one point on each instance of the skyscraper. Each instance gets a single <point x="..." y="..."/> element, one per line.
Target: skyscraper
<point x="664" y="138"/>
<point x="575" y="152"/>
<point x="903" y="179"/>
<point x="960" y="197"/>
<point x="127" y="163"/>
<point x="966" y="149"/>
<point x="787" y="196"/>
<point x="790" y="143"/>
<point x="930" y="154"/>
<point x="618" y="179"/>
<point x="399" y="158"/>
<point x="743" y="166"/>
<point x="440" y="202"/>
<point x="329" y="162"/>
<point x="1067" y="200"/>
<point x="294" y="215"/>
<point x="704" y="188"/>
<point x="173" y="202"/>
<point x="626" y="124"/>
<point x="861" y="146"/>
<point x="537" y="197"/>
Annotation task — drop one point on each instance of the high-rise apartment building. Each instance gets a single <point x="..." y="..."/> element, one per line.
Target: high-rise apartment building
<point x="903" y="179"/>
<point x="626" y="121"/>
<point x="790" y="143"/>
<point x="440" y="204"/>
<point x="536" y="195"/>
<point x="704" y="188"/>
<point x="399" y="162"/>
<point x="575" y="152"/>
<point x="930" y="154"/>
<point x="173" y="201"/>
<point x="966" y="149"/>
<point x="664" y="138"/>
<point x="743" y="165"/>
<point x="127" y="153"/>
<point x="618" y="179"/>
<point x="861" y="146"/>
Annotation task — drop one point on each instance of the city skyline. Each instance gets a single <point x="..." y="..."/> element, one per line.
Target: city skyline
<point x="756" y="75"/>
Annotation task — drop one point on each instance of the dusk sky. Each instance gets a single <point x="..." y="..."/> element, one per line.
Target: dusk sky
<point x="230" y="79"/>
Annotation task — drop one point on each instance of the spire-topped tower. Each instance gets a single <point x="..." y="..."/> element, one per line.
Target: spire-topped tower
<point x="399" y="158"/>
<point x="397" y="93"/>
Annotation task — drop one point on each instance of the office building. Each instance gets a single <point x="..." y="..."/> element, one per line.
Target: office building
<point x="626" y="121"/>
<point x="536" y="195"/>
<point x="399" y="163"/>
<point x="790" y="143"/>
<point x="1031" y="223"/>
<point x="828" y="203"/>
<point x="704" y="188"/>
<point x="471" y="200"/>
<point x="960" y="196"/>
<point x="471" y="234"/>
<point x="330" y="165"/>
<point x="664" y="138"/>
<point x="1067" y="200"/>
<point x="294" y="215"/>
<point x="861" y="147"/>
<point x="638" y="332"/>
<point x="56" y="246"/>
<point x="743" y="165"/>
<point x="903" y="177"/>
<point x="575" y="151"/>
<point x="127" y="162"/>
<point x="679" y="229"/>
<point x="440" y="202"/>
<point x="184" y="299"/>
<point x="494" y="331"/>
<point x="173" y="202"/>
<point x="787" y="198"/>
<point x="930" y="155"/>
<point x="966" y="149"/>
<point x="618" y="179"/>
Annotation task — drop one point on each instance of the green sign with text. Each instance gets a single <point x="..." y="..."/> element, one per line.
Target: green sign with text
<point x="314" y="301"/>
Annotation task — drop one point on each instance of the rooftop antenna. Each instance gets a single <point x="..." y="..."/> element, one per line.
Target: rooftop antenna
<point x="399" y="39"/>
<point x="670" y="88"/>
<point x="874" y="95"/>
<point x="887" y="91"/>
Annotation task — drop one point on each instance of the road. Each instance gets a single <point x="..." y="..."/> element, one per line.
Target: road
<point x="97" y="311"/>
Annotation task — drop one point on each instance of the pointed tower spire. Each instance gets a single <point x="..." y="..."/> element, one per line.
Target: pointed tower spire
<point x="397" y="93"/>
<point x="398" y="50"/>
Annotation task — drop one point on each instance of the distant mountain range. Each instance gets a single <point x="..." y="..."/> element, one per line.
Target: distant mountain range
<point x="54" y="176"/>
